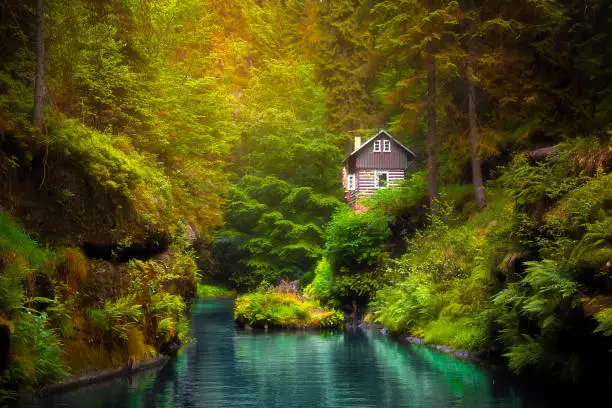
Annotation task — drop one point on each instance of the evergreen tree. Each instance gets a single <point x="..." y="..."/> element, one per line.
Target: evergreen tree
<point x="420" y="34"/>
<point x="39" y="90"/>
<point x="470" y="63"/>
<point x="346" y="62"/>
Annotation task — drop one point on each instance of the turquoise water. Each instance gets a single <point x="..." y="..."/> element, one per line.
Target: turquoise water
<point x="226" y="367"/>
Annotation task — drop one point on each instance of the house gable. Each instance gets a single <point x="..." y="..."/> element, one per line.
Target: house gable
<point x="380" y="135"/>
<point x="381" y="152"/>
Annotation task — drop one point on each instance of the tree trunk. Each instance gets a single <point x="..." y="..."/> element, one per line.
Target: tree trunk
<point x="477" y="182"/>
<point x="39" y="89"/>
<point x="474" y="135"/>
<point x="432" y="160"/>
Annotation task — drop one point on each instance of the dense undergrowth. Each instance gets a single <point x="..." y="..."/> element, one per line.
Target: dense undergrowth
<point x="528" y="277"/>
<point x="62" y="313"/>
<point x="205" y="291"/>
<point x="270" y="308"/>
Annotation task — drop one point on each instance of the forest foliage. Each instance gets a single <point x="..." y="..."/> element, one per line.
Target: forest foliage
<point x="213" y="131"/>
<point x="68" y="315"/>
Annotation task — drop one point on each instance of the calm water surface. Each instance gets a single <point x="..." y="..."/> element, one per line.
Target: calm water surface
<point x="225" y="367"/>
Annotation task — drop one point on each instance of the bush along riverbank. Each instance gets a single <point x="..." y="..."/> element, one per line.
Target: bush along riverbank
<point x="276" y="307"/>
<point x="527" y="280"/>
<point x="64" y="315"/>
<point x="208" y="291"/>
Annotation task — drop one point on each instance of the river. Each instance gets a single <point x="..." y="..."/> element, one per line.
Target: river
<point x="226" y="367"/>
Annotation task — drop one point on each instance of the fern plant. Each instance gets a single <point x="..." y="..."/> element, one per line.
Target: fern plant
<point x="116" y="316"/>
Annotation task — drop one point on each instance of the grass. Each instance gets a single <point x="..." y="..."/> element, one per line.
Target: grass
<point x="13" y="240"/>
<point x="273" y="309"/>
<point x="207" y="291"/>
<point x="463" y="334"/>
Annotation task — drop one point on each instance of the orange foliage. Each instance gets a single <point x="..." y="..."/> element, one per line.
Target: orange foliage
<point x="72" y="267"/>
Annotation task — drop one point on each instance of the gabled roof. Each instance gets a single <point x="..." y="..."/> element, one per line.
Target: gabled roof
<point x="374" y="137"/>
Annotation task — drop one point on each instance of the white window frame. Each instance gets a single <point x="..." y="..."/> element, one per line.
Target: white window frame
<point x="386" y="146"/>
<point x="377" y="146"/>
<point x="377" y="179"/>
<point x="351" y="182"/>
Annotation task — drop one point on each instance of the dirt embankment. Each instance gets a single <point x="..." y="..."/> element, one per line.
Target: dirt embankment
<point x="59" y="203"/>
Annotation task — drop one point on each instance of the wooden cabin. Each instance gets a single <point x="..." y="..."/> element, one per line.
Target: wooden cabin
<point x="380" y="162"/>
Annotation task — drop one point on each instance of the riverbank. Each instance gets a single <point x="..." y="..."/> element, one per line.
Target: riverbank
<point x="63" y="313"/>
<point x="99" y="376"/>
<point x="229" y="367"/>
<point x="214" y="291"/>
<point x="586" y="393"/>
<point x="477" y="356"/>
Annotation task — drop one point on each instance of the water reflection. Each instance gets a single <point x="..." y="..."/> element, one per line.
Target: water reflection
<point x="229" y="368"/>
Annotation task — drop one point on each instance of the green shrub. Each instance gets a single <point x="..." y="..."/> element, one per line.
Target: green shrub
<point x="12" y="294"/>
<point x="37" y="351"/>
<point x="465" y="333"/>
<point x="356" y="240"/>
<point x="332" y="320"/>
<point x="408" y="195"/>
<point x="273" y="309"/>
<point x="358" y="284"/>
<point x="116" y="316"/>
<point x="205" y="291"/>
<point x="441" y="286"/>
<point x="168" y="312"/>
<point x="563" y="220"/>
<point x="118" y="168"/>
<point x="13" y="240"/>
<point x="273" y="230"/>
<point x="409" y="304"/>
<point x="322" y="284"/>
<point x="545" y="296"/>
<point x="604" y="318"/>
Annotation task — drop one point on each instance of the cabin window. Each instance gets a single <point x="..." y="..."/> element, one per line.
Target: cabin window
<point x="386" y="145"/>
<point x="381" y="179"/>
<point x="377" y="146"/>
<point x="351" y="182"/>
